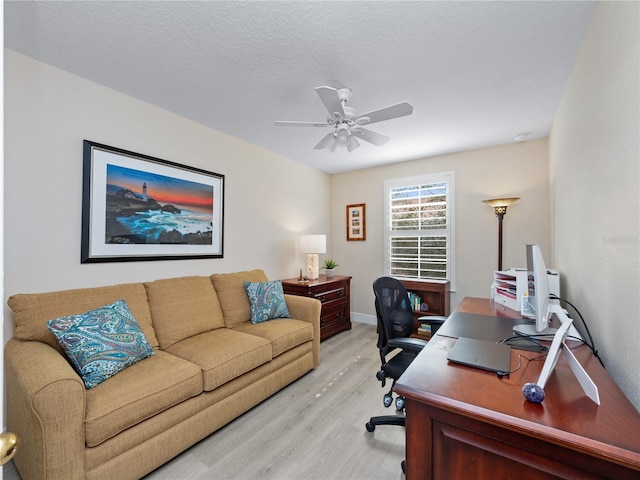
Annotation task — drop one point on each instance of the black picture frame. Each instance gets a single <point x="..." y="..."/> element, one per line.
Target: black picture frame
<point x="136" y="208"/>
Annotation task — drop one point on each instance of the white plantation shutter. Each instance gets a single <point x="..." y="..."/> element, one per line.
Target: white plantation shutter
<point x="419" y="227"/>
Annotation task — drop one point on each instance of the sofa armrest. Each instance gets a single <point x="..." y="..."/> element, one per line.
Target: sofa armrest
<point x="307" y="309"/>
<point x="45" y="409"/>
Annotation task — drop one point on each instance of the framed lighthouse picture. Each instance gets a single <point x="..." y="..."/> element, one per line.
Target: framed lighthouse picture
<point x="136" y="207"/>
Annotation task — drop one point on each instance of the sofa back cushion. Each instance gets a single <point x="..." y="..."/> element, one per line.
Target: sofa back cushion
<point x="32" y="311"/>
<point x="233" y="296"/>
<point x="183" y="307"/>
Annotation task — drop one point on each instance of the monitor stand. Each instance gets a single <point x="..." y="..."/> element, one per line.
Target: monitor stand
<point x="558" y="347"/>
<point x="529" y="330"/>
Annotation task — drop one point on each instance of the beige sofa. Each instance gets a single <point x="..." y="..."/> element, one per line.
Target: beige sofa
<point x="210" y="365"/>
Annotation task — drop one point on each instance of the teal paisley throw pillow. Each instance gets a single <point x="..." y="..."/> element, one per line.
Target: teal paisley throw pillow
<point x="267" y="301"/>
<point x="101" y="342"/>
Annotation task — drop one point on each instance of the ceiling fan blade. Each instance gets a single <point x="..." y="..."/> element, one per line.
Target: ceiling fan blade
<point x="353" y="143"/>
<point x="387" y="113"/>
<point x="369" y="136"/>
<point x="286" y="123"/>
<point x="331" y="100"/>
<point x="329" y="141"/>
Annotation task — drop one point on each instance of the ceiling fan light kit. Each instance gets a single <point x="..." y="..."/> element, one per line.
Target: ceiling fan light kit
<point x="346" y="123"/>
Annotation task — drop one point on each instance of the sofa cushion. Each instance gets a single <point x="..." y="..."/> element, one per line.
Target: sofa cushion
<point x="233" y="296"/>
<point x="284" y="334"/>
<point x="32" y="311"/>
<point x="182" y="307"/>
<point x="223" y="354"/>
<point x="101" y="342"/>
<point x="138" y="393"/>
<point x="266" y="300"/>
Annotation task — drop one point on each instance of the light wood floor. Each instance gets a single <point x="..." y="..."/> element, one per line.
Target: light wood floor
<point x="312" y="429"/>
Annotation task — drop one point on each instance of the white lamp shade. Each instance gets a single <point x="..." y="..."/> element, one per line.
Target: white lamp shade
<point x="501" y="202"/>
<point x="313" y="243"/>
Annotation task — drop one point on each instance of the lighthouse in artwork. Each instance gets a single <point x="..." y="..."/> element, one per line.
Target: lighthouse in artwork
<point x="144" y="191"/>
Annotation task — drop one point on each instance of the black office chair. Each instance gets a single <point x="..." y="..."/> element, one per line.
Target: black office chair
<point x="395" y="324"/>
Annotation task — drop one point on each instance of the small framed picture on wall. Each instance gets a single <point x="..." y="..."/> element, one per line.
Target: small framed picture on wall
<point x="356" y="222"/>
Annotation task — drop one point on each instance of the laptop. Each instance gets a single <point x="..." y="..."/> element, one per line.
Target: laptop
<point x="483" y="354"/>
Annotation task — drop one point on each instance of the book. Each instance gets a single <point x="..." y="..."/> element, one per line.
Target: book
<point x="425" y="330"/>
<point x="415" y="301"/>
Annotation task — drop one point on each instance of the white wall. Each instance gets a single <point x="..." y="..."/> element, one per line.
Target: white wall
<point x="269" y="199"/>
<point x="594" y="163"/>
<point x="519" y="170"/>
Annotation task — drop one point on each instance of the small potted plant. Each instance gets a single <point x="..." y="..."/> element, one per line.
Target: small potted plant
<point x="329" y="265"/>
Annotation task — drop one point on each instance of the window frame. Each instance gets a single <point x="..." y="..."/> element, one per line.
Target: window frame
<point x="447" y="177"/>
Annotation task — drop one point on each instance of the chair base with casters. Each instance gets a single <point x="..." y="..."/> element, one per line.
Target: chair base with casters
<point x="398" y="420"/>
<point x="393" y="369"/>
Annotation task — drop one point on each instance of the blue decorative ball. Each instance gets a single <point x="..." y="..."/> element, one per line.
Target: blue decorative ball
<point x="533" y="392"/>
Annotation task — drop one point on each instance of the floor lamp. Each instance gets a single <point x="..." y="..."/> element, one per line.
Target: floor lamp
<point x="312" y="245"/>
<point x="500" y="205"/>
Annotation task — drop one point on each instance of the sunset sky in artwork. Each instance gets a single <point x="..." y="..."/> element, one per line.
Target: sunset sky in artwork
<point x="191" y="195"/>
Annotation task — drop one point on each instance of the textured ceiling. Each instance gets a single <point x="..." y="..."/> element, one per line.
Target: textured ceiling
<point x="475" y="72"/>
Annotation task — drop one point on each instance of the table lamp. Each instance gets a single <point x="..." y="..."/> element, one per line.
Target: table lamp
<point x="312" y="245"/>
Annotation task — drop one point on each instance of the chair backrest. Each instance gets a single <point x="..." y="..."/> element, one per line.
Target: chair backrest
<point x="395" y="316"/>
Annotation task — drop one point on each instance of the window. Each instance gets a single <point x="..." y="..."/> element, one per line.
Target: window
<point x="419" y="227"/>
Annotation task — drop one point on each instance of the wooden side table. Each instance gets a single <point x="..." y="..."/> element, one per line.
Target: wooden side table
<point x="334" y="294"/>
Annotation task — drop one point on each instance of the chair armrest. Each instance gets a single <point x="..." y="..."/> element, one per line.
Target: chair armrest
<point x="407" y="343"/>
<point x="432" y="320"/>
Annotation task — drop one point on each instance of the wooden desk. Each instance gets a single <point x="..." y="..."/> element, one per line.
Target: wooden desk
<point x="464" y="423"/>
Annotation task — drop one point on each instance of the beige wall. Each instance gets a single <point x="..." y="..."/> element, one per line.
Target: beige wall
<point x="518" y="169"/>
<point x="49" y="112"/>
<point x="594" y="158"/>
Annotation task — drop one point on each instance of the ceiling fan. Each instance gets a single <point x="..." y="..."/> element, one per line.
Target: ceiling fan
<point x="346" y="123"/>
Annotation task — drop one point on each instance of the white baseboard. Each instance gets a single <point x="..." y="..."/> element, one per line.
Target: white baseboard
<point x="364" y="318"/>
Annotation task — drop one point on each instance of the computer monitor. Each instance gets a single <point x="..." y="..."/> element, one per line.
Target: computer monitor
<point x="539" y="295"/>
<point x="545" y="309"/>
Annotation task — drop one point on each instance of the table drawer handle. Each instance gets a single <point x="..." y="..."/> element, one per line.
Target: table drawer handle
<point x="330" y="294"/>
